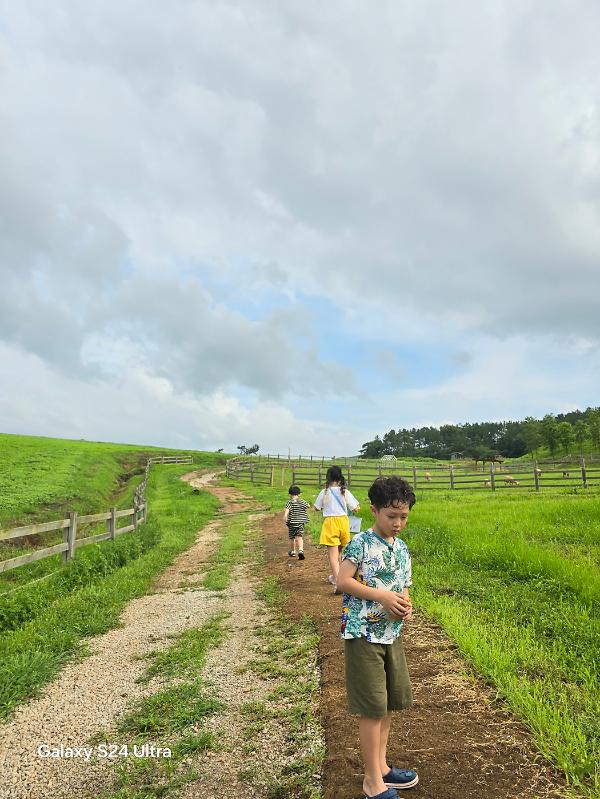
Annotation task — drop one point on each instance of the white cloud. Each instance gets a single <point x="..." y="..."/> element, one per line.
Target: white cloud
<point x="176" y="176"/>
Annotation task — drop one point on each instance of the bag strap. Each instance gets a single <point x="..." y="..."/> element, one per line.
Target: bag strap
<point x="344" y="507"/>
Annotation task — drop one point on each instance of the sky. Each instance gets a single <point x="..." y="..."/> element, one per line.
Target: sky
<point x="296" y="224"/>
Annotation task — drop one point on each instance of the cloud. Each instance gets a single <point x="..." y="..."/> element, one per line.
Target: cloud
<point x="140" y="407"/>
<point x="184" y="186"/>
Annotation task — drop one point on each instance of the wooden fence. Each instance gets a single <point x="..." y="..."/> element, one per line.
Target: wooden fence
<point x="496" y="477"/>
<point x="70" y="525"/>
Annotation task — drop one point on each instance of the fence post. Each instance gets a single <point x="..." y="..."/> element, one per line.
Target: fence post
<point x="70" y="534"/>
<point x="583" y="474"/>
<point x="294" y="474"/>
<point x="272" y="476"/>
<point x="135" y="518"/>
<point x="144" y="511"/>
<point x="536" y="476"/>
<point x="112" y="523"/>
<point x="349" y="475"/>
<point x="380" y="470"/>
<point x="451" y="477"/>
<point x="252" y="475"/>
<point x="492" y="476"/>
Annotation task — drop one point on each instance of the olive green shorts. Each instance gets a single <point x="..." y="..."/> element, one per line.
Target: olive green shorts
<point x="377" y="678"/>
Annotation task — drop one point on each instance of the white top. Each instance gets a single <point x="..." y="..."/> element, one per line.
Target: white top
<point x="333" y="503"/>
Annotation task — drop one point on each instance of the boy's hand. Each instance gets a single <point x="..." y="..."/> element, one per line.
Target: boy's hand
<point x="397" y="606"/>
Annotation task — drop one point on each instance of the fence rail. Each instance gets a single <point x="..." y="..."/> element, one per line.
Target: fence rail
<point x="497" y="477"/>
<point x="137" y="515"/>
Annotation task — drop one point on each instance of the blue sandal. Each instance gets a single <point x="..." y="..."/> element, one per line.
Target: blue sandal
<point x="389" y="794"/>
<point x="400" y="778"/>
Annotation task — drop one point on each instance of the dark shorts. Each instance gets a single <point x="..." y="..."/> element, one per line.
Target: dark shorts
<point x="295" y="531"/>
<point x="377" y="678"/>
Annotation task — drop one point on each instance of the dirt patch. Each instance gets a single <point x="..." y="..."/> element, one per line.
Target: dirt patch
<point x="232" y="500"/>
<point x="462" y="741"/>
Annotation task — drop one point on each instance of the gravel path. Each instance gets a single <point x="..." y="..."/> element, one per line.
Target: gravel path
<point x="88" y="696"/>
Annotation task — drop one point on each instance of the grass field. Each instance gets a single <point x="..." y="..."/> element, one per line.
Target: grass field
<point x="41" y="479"/>
<point x="42" y="626"/>
<point x="515" y="582"/>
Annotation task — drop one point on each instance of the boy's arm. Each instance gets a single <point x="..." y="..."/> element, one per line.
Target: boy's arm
<point x="286" y="513"/>
<point x="397" y="605"/>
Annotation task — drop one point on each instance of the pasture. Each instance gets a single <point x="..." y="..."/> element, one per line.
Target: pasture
<point x="514" y="579"/>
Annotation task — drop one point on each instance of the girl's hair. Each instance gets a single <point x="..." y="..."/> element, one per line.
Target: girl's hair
<point x="334" y="475"/>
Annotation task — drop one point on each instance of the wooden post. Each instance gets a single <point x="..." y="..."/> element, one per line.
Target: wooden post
<point x="380" y="470"/>
<point x="272" y="476"/>
<point x="145" y="512"/>
<point x="492" y="477"/>
<point x="294" y="474"/>
<point x="112" y="523"/>
<point x="536" y="477"/>
<point x="70" y="534"/>
<point x="583" y="474"/>
<point x="320" y="478"/>
<point x="349" y="475"/>
<point x="252" y="475"/>
<point x="135" y="518"/>
<point x="282" y="473"/>
<point x="414" y="477"/>
<point x="451" y="468"/>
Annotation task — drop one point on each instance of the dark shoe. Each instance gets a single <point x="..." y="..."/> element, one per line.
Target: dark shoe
<point x="301" y="555"/>
<point x="400" y="778"/>
<point x="389" y="794"/>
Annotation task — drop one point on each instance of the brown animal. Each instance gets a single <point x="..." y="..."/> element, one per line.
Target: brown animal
<point x="566" y="474"/>
<point x="510" y="480"/>
<point x="488" y="484"/>
<point x="427" y="476"/>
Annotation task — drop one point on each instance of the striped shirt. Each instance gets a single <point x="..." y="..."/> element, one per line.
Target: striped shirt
<point x="298" y="515"/>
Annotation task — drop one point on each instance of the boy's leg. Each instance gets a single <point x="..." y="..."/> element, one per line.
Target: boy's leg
<point x="370" y="734"/>
<point x="383" y="741"/>
<point x="300" y="542"/>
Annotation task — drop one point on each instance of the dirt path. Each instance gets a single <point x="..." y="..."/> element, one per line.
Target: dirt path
<point x="462" y="742"/>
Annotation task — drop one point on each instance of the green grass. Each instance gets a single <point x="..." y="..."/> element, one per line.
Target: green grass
<point x="41" y="479"/>
<point x="229" y="553"/>
<point x="174" y="715"/>
<point x="514" y="579"/>
<point x="55" y="616"/>
<point x="287" y="656"/>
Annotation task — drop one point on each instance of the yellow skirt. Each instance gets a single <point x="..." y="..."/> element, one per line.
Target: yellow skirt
<point x="335" y="531"/>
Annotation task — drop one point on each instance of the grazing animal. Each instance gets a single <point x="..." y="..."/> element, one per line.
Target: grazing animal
<point x="510" y="480"/>
<point x="566" y="474"/>
<point x="488" y="484"/>
<point x="427" y="477"/>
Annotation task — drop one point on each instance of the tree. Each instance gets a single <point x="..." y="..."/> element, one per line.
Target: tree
<point x="566" y="436"/>
<point x="582" y="433"/>
<point x="594" y="428"/>
<point x="532" y="434"/>
<point x="242" y="449"/>
<point x="550" y="433"/>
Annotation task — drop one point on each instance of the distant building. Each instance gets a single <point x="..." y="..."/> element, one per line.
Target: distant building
<point x="456" y="456"/>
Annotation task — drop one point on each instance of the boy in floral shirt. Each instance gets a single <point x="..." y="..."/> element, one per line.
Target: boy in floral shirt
<point x="375" y="575"/>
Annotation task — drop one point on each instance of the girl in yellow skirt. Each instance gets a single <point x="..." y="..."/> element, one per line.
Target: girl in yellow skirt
<point x="334" y="501"/>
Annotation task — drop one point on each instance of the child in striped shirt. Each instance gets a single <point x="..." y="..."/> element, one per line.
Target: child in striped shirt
<point x="296" y="517"/>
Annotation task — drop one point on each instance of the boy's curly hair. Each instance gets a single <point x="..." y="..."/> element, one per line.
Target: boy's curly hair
<point x="393" y="490"/>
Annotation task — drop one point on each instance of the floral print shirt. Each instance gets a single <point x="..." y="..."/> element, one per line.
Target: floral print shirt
<point x="379" y="565"/>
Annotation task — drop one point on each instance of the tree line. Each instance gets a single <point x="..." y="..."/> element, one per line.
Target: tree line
<point x="560" y="434"/>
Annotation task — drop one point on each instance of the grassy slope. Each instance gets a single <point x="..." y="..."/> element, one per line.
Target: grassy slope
<point x="515" y="581"/>
<point x="40" y="478"/>
<point x="42" y="626"/>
